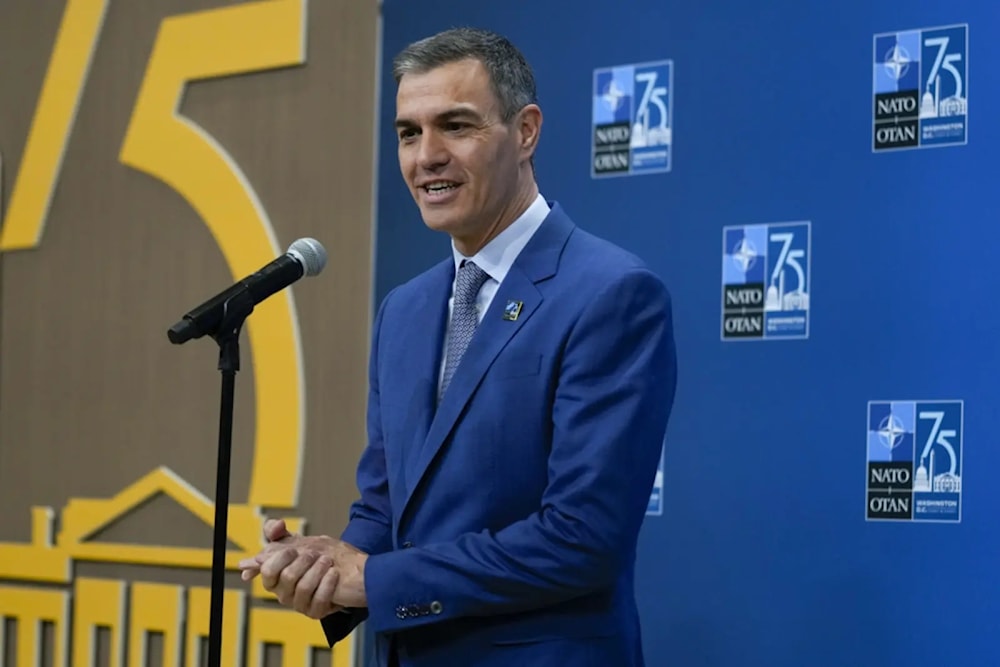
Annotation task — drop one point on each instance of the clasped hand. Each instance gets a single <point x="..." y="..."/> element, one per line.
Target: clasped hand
<point x="315" y="575"/>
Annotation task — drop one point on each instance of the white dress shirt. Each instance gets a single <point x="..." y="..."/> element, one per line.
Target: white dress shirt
<point x="496" y="258"/>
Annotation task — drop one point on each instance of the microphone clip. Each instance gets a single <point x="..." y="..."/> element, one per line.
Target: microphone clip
<point x="236" y="309"/>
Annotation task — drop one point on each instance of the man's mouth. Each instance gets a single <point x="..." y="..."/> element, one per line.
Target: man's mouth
<point x="439" y="187"/>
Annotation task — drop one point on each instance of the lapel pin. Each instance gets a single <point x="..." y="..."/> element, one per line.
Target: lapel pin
<point x="512" y="310"/>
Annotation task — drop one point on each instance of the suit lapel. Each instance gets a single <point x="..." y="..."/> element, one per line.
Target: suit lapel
<point x="429" y="312"/>
<point x="538" y="261"/>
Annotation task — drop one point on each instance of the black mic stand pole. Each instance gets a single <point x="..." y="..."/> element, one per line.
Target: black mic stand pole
<point x="237" y="309"/>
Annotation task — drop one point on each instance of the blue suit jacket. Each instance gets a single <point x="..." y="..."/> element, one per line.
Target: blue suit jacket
<point x="502" y="522"/>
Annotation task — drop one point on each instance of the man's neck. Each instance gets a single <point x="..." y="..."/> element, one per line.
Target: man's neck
<point x="527" y="195"/>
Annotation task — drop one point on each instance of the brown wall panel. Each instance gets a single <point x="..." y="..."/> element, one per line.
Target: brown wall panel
<point x="93" y="397"/>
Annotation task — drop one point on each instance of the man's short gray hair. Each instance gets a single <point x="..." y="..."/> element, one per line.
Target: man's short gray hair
<point x="509" y="72"/>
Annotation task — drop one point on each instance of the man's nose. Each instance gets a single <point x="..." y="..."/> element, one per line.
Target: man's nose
<point x="433" y="153"/>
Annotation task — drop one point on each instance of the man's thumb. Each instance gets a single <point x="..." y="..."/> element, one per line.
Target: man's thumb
<point x="275" y="529"/>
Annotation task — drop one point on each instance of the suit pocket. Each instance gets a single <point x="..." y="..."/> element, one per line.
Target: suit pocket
<point x="516" y="365"/>
<point x="557" y="628"/>
<point x="580" y="638"/>
<point x="596" y="637"/>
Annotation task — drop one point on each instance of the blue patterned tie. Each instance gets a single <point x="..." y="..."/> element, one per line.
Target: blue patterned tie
<point x="464" y="318"/>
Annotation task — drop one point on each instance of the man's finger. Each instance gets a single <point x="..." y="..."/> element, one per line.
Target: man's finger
<point x="269" y="549"/>
<point x="290" y="575"/>
<point x="322" y="600"/>
<point x="271" y="568"/>
<point x="249" y="568"/>
<point x="306" y="586"/>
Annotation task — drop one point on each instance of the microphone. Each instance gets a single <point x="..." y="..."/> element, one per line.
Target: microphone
<point x="305" y="257"/>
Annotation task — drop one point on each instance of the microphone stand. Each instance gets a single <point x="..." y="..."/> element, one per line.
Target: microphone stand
<point x="305" y="257"/>
<point x="237" y="308"/>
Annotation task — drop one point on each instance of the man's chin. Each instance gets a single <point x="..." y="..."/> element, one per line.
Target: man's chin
<point x="439" y="221"/>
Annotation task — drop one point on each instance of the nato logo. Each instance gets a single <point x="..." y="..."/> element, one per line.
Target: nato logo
<point x="915" y="461"/>
<point x="655" y="506"/>
<point x="632" y="119"/>
<point x="765" y="281"/>
<point x="921" y="88"/>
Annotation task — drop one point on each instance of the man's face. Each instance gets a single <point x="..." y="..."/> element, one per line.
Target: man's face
<point x="458" y="158"/>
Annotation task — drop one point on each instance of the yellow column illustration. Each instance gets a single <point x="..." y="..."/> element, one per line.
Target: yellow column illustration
<point x="30" y="607"/>
<point x="297" y="635"/>
<point x="198" y="624"/>
<point x="155" y="608"/>
<point x="97" y="603"/>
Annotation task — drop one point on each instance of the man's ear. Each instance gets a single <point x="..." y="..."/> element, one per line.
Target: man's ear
<point x="529" y="129"/>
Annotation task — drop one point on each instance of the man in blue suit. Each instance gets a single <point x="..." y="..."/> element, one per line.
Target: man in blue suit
<point x="519" y="395"/>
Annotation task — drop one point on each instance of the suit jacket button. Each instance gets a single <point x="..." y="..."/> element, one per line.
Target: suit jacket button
<point x="436" y="607"/>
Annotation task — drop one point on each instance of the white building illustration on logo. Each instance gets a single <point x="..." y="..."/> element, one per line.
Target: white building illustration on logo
<point x="947" y="482"/>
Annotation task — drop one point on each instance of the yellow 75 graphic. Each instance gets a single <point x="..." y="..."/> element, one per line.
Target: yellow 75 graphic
<point x="250" y="37"/>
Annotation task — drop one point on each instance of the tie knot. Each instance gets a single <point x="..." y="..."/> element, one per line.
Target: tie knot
<point x="470" y="279"/>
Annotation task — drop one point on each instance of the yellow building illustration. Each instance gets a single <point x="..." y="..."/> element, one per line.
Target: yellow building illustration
<point x="38" y="589"/>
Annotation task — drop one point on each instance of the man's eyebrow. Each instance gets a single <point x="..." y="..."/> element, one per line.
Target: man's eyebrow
<point x="460" y="112"/>
<point x="450" y="114"/>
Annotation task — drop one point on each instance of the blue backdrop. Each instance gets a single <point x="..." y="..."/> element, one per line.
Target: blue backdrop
<point x="791" y="529"/>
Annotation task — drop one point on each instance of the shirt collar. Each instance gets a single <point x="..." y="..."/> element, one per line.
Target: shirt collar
<point x="497" y="256"/>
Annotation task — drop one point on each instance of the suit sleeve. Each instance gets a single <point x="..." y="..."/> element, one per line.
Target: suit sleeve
<point x="369" y="525"/>
<point x="612" y="401"/>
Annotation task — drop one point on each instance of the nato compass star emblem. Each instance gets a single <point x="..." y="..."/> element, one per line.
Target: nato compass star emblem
<point x="891" y="432"/>
<point x="897" y="62"/>
<point x="744" y="255"/>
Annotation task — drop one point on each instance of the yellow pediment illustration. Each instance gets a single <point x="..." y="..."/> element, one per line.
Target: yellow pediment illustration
<point x="48" y="560"/>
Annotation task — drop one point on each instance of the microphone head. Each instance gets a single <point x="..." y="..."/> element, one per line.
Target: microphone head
<point x="310" y="253"/>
